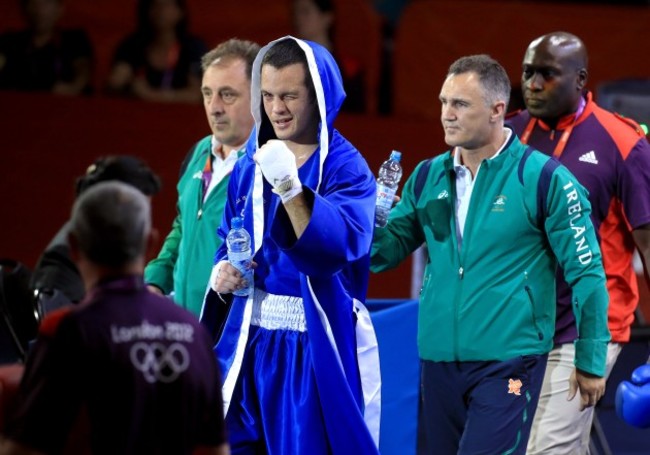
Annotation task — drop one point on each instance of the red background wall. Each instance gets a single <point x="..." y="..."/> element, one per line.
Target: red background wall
<point x="47" y="141"/>
<point x="432" y="34"/>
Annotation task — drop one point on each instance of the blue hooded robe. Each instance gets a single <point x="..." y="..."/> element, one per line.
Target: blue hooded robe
<point x="328" y="267"/>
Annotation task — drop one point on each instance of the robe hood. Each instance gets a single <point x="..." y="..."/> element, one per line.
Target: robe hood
<point x="328" y="86"/>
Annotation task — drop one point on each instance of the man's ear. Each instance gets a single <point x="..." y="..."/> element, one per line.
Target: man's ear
<point x="498" y="110"/>
<point x="581" y="80"/>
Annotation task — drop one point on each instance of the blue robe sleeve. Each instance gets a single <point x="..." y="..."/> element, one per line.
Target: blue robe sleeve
<point x="341" y="225"/>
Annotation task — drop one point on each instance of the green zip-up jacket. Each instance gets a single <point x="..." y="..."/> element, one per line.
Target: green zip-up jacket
<point x="187" y="256"/>
<point x="494" y="298"/>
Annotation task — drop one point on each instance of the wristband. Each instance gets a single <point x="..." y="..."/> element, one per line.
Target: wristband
<point x="288" y="188"/>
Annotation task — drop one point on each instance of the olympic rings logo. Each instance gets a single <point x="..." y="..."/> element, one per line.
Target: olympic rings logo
<point x="160" y="363"/>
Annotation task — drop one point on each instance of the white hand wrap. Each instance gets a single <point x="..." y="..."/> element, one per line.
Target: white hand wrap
<point x="214" y="276"/>
<point x="279" y="168"/>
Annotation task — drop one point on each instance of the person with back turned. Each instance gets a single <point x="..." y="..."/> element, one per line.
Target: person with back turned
<point x="128" y="368"/>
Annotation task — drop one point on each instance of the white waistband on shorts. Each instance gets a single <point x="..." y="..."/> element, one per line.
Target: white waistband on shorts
<point x="278" y="312"/>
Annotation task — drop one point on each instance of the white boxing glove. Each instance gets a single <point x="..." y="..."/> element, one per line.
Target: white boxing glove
<point x="279" y="168"/>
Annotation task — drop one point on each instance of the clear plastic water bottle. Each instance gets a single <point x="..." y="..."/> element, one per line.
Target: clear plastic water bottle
<point x="240" y="253"/>
<point x="390" y="174"/>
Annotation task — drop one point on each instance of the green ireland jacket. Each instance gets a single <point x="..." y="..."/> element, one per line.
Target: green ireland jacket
<point x="187" y="256"/>
<point x="494" y="298"/>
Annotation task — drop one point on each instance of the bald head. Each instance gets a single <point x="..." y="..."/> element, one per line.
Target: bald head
<point x="554" y="75"/>
<point x="564" y="46"/>
<point x="111" y="223"/>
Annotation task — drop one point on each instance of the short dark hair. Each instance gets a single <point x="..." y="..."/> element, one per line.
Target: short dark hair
<point x="125" y="168"/>
<point x="324" y="6"/>
<point x="491" y="74"/>
<point x="110" y="223"/>
<point x="288" y="52"/>
<point x="232" y="49"/>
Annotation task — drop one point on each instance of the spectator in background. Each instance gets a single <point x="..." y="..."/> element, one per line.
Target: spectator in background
<point x="45" y="56"/>
<point x="390" y="12"/>
<point x="160" y="60"/>
<point x="133" y="369"/>
<point x="184" y="263"/>
<point x="314" y="20"/>
<point x="56" y="280"/>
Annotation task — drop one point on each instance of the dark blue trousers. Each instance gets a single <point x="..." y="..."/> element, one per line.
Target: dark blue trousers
<point x="479" y="407"/>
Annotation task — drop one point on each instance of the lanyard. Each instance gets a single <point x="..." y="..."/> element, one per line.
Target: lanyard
<point x="206" y="176"/>
<point x="559" y="148"/>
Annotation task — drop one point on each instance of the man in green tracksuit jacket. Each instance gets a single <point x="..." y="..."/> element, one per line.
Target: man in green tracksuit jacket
<point x="494" y="239"/>
<point x="185" y="261"/>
